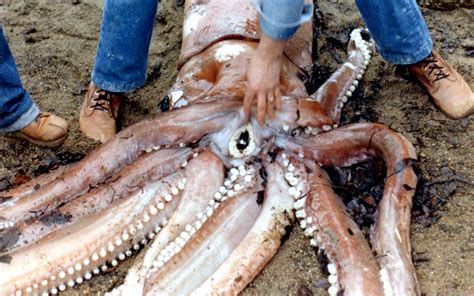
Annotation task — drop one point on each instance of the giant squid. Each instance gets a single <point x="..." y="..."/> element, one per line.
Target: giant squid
<point x="205" y="194"/>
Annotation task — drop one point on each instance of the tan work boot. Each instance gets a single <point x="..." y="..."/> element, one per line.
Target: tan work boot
<point x="46" y="130"/>
<point x="99" y="113"/>
<point x="449" y="90"/>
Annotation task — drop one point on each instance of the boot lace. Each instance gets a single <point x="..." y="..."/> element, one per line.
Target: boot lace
<point x="434" y="68"/>
<point x="42" y="115"/>
<point x="102" y="102"/>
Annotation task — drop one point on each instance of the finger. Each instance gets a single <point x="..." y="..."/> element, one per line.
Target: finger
<point x="271" y="104"/>
<point x="261" y="108"/>
<point x="277" y="98"/>
<point x="249" y="96"/>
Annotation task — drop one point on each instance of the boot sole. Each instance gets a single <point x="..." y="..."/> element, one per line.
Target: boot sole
<point x="466" y="114"/>
<point x="50" y="144"/>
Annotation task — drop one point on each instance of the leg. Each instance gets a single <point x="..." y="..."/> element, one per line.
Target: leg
<point x="402" y="37"/>
<point x="398" y="28"/>
<point x="18" y="113"/>
<point x="17" y="109"/>
<point x="122" y="53"/>
<point x="120" y="63"/>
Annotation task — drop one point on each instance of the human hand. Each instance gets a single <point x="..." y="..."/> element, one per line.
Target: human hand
<point x="263" y="78"/>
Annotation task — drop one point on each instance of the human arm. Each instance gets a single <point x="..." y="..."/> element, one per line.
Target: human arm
<point x="279" y="20"/>
<point x="263" y="78"/>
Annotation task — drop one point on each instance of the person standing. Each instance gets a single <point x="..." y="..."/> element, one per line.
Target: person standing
<point x="401" y="36"/>
<point x="397" y="26"/>
<point x="120" y="64"/>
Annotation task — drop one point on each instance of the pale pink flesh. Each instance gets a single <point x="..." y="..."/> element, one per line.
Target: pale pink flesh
<point x="208" y="177"/>
<point x="221" y="70"/>
<point x="213" y="243"/>
<point x="390" y="236"/>
<point x="149" y="167"/>
<point x="331" y="93"/>
<point x="59" y="250"/>
<point x="30" y="186"/>
<point x="341" y="239"/>
<point x="390" y="240"/>
<point x="260" y="244"/>
<point x="229" y="250"/>
<point x="206" y="23"/>
<point x="171" y="129"/>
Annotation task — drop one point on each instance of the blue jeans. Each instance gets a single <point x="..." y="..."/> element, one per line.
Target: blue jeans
<point x="281" y="23"/>
<point x="17" y="109"/>
<point x="397" y="27"/>
<point x="122" y="52"/>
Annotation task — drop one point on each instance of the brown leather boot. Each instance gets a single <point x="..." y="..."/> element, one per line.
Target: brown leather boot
<point x="449" y="90"/>
<point x="99" y="113"/>
<point x="46" y="130"/>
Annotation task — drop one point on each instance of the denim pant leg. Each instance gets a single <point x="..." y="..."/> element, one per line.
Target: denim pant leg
<point x="398" y="29"/>
<point x="17" y="109"/>
<point x="280" y="19"/>
<point x="122" y="52"/>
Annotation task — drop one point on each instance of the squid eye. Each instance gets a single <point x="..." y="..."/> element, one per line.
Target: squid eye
<point x="242" y="142"/>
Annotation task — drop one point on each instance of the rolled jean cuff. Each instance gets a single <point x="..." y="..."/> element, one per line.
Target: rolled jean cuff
<point x="104" y="83"/>
<point x="25" y="119"/>
<point x="412" y="58"/>
<point x="275" y="32"/>
<point x="278" y="24"/>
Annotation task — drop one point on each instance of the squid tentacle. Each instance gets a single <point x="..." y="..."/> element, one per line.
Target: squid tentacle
<point x="353" y="268"/>
<point x="321" y="112"/>
<point x="260" y="244"/>
<point x="354" y="143"/>
<point x="178" y="278"/>
<point x="390" y="237"/>
<point x="7" y="225"/>
<point x="148" y="167"/>
<point x="109" y="234"/>
<point x="59" y="260"/>
<point x="181" y="226"/>
<point x="235" y="264"/>
<point x="337" y="90"/>
<point x="32" y="185"/>
<point x="175" y="128"/>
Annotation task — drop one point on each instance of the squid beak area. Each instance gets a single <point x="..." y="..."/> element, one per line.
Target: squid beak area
<point x="232" y="242"/>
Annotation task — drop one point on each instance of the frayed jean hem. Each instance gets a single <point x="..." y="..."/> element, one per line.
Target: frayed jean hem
<point x="415" y="57"/>
<point x="117" y="87"/>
